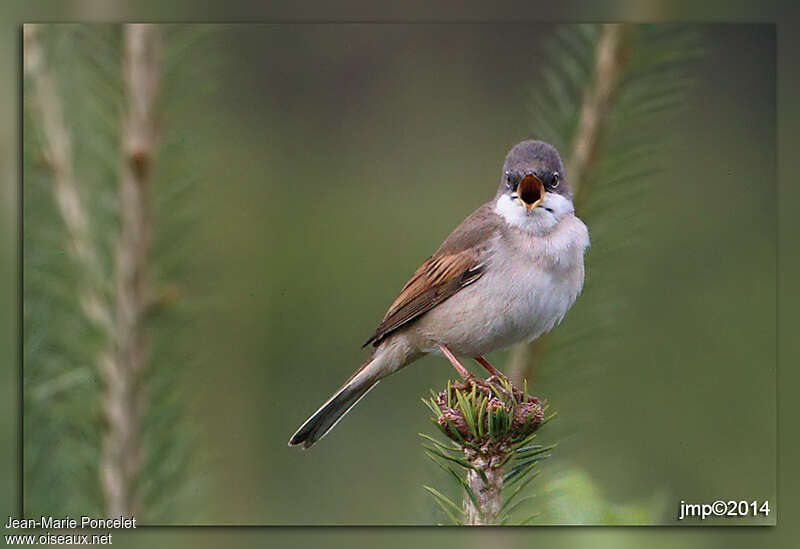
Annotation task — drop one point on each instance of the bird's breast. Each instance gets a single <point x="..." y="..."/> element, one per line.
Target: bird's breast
<point x="528" y="286"/>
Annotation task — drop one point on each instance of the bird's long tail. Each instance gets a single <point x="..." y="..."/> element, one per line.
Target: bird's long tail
<point x="380" y="365"/>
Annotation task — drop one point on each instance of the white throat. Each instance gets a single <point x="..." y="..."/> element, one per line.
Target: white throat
<point x="539" y="220"/>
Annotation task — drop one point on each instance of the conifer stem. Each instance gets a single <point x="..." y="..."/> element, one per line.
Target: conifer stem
<point x="610" y="59"/>
<point x="125" y="361"/>
<point x="488" y="495"/>
<point x="122" y="361"/>
<point x="609" y="62"/>
<point x="46" y="104"/>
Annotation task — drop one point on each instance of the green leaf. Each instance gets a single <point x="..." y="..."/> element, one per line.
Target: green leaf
<point x="517" y="505"/>
<point x="434" y="410"/>
<point x="525" y="463"/>
<point x="529" y="519"/>
<point x="459" y="461"/>
<point x="466" y="409"/>
<point x="525" y="454"/>
<point x="449" y="405"/>
<point x="446" y="504"/>
<point x="500" y="396"/>
<point x="453" y="431"/>
<point x="448" y="445"/>
<point x="471" y="495"/>
<point x="548" y="419"/>
<point x="482" y="474"/>
<point x="517" y="474"/>
<point x="481" y="408"/>
<point x="531" y="447"/>
<point x="458" y="478"/>
<point x="517" y="490"/>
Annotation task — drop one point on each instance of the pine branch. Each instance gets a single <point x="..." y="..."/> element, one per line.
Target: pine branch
<point x="57" y="151"/>
<point x="105" y="427"/>
<point x="610" y="60"/>
<point x="123" y="368"/>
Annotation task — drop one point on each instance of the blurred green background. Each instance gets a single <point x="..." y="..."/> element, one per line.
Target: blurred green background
<point x="328" y="161"/>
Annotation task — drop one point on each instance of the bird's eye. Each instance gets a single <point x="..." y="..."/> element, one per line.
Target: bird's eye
<point x="512" y="180"/>
<point x="556" y="180"/>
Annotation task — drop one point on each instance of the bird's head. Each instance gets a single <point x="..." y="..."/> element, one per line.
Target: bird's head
<point x="533" y="193"/>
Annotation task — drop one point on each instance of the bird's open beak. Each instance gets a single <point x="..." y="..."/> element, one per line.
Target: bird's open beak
<point x="530" y="191"/>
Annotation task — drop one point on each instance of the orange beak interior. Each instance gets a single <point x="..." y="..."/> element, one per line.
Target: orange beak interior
<point x="530" y="191"/>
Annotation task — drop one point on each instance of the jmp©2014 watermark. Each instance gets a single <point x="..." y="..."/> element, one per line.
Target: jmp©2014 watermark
<point x="722" y="508"/>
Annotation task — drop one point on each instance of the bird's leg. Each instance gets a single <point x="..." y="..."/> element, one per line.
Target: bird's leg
<point x="489" y="368"/>
<point x="463" y="372"/>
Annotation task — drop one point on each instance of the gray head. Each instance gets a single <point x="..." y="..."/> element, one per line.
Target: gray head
<point x="538" y="159"/>
<point x="533" y="188"/>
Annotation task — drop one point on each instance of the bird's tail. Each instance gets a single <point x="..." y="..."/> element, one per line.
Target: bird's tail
<point x="354" y="389"/>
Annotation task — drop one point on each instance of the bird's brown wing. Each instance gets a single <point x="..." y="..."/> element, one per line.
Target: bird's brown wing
<point x="460" y="261"/>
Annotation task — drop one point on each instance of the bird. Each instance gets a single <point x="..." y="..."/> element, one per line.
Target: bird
<point x="506" y="275"/>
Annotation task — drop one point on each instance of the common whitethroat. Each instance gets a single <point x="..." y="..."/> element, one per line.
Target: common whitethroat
<point x="507" y="274"/>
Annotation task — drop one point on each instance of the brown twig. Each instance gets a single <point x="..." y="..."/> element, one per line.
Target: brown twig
<point x="122" y="371"/>
<point x="610" y="59"/>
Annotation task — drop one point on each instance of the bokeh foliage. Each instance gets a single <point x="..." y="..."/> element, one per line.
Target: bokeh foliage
<point x="62" y="388"/>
